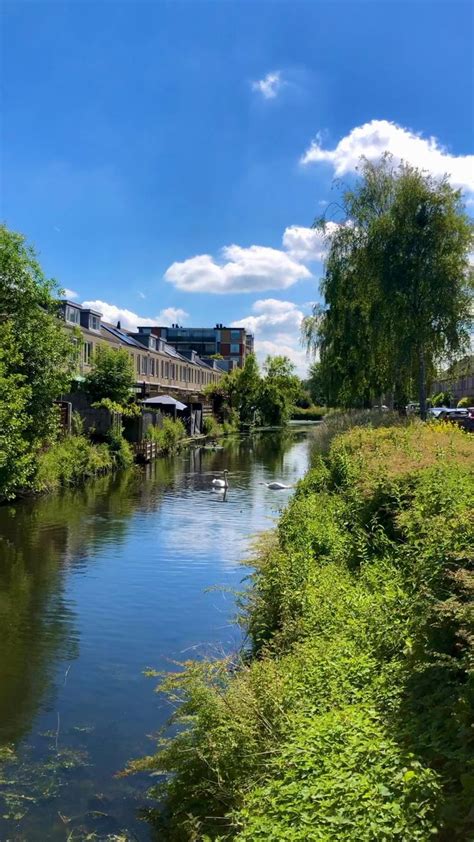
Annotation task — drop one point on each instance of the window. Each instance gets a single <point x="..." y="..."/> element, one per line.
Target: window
<point x="87" y="352"/>
<point x="235" y="334"/>
<point x="94" y="323"/>
<point x="138" y="363"/>
<point x="167" y="370"/>
<point x="162" y="368"/>
<point x="152" y="367"/>
<point x="144" y="364"/>
<point x="72" y="315"/>
<point x="235" y="349"/>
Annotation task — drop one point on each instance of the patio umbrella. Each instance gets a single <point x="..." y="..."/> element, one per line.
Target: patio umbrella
<point x="165" y="400"/>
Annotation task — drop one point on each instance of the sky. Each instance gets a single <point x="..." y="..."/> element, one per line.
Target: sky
<point x="167" y="159"/>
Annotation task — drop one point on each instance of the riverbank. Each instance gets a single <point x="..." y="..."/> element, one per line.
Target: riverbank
<point x="350" y="719"/>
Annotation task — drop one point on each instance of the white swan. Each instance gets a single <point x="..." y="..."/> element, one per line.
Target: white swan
<point x="275" y="485"/>
<point x="221" y="483"/>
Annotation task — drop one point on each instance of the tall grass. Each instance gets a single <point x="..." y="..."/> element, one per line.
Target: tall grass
<point x="168" y="436"/>
<point x="352" y="719"/>
<point x="71" y="461"/>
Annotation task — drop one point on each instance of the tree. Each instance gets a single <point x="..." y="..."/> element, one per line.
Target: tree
<point x="278" y="390"/>
<point x="35" y="347"/>
<point x="16" y="452"/>
<point x="397" y="286"/>
<point x="315" y="385"/>
<point x="112" y="376"/>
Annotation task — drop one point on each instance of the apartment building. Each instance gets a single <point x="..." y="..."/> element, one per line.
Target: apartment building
<point x="233" y="343"/>
<point x="158" y="365"/>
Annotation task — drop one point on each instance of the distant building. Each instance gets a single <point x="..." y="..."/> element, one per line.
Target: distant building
<point x="233" y="343"/>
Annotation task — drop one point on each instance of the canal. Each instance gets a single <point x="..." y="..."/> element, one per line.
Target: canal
<point x="97" y="584"/>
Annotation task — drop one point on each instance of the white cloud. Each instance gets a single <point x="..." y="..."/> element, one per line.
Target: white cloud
<point x="276" y="327"/>
<point x="378" y="136"/>
<point x="307" y="244"/>
<point x="171" y="315"/>
<point x="141" y="294"/>
<point x="251" y="269"/>
<point x="69" y="293"/>
<point x="130" y="320"/>
<point x="270" y="85"/>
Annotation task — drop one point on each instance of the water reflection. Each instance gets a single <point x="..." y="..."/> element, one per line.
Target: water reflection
<point x="100" y="582"/>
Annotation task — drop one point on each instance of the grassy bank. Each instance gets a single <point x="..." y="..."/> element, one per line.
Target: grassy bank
<point x="75" y="458"/>
<point x="351" y="719"/>
<point x="310" y="413"/>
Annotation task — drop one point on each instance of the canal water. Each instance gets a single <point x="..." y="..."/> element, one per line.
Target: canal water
<point x="96" y="585"/>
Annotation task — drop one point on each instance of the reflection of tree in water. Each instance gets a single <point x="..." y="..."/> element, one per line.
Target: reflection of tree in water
<point x="39" y="540"/>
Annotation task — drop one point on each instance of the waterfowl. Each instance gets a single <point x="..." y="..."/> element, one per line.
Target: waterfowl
<point x="275" y="485"/>
<point x="221" y="483"/>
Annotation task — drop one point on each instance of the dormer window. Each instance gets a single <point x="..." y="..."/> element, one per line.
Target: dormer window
<point x="94" y="322"/>
<point x="72" y="315"/>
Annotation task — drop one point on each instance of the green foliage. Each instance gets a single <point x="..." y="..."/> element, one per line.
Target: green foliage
<point x="353" y="719"/>
<point x="130" y="410"/>
<point x="315" y="384"/>
<point x="310" y="413"/>
<point x="442" y="399"/>
<point x="119" y="448"/>
<point x="16" y="454"/>
<point x="168" y="436"/>
<point x="266" y="400"/>
<point x="397" y="285"/>
<point x="466" y="402"/>
<point x="37" y="357"/>
<point x="112" y="375"/>
<point x="69" y="462"/>
<point x="211" y="426"/>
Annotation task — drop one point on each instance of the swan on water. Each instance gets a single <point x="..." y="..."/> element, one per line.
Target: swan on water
<point x="221" y="483"/>
<point x="275" y="485"/>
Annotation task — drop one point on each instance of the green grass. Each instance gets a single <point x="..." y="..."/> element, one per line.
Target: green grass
<point x="352" y="717"/>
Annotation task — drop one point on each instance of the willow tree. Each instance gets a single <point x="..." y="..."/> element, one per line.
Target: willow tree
<point x="397" y="285"/>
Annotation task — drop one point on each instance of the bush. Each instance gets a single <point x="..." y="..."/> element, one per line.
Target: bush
<point x="69" y="462"/>
<point x="310" y="413"/>
<point x="120" y="449"/>
<point x="441" y="399"/>
<point x="352" y="721"/>
<point x="465" y="402"/>
<point x="211" y="426"/>
<point x="168" y="436"/>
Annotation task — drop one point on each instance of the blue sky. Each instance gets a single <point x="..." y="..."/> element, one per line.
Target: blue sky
<point x="168" y="158"/>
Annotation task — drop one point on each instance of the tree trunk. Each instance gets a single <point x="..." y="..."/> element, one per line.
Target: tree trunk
<point x="422" y="383"/>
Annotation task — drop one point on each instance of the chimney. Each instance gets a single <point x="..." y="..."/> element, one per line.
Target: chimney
<point x="119" y="326"/>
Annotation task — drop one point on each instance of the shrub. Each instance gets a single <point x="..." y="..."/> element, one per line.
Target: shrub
<point x="120" y="449"/>
<point x="465" y="402"/>
<point x="352" y="720"/>
<point x="441" y="399"/>
<point x="211" y="426"/>
<point x="69" y="462"/>
<point x="310" y="413"/>
<point x="168" y="436"/>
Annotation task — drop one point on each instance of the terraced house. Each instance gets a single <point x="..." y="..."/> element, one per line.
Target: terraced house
<point x="158" y="365"/>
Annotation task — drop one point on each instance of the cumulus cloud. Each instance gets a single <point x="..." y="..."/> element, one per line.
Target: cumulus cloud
<point x="307" y="244"/>
<point x="172" y="315"/>
<point x="130" y="320"/>
<point x="269" y="86"/>
<point x="378" y="136"/>
<point x="69" y="293"/>
<point x="276" y="327"/>
<point x="251" y="269"/>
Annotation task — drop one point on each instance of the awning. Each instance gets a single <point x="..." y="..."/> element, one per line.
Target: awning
<point x="165" y="400"/>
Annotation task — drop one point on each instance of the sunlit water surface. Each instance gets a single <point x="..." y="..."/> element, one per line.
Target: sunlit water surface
<point x="97" y="584"/>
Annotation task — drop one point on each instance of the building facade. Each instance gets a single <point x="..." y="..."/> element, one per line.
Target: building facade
<point x="233" y="343"/>
<point x="158" y="366"/>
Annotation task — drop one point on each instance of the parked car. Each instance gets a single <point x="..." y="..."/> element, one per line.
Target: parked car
<point x="435" y="411"/>
<point x="453" y="414"/>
